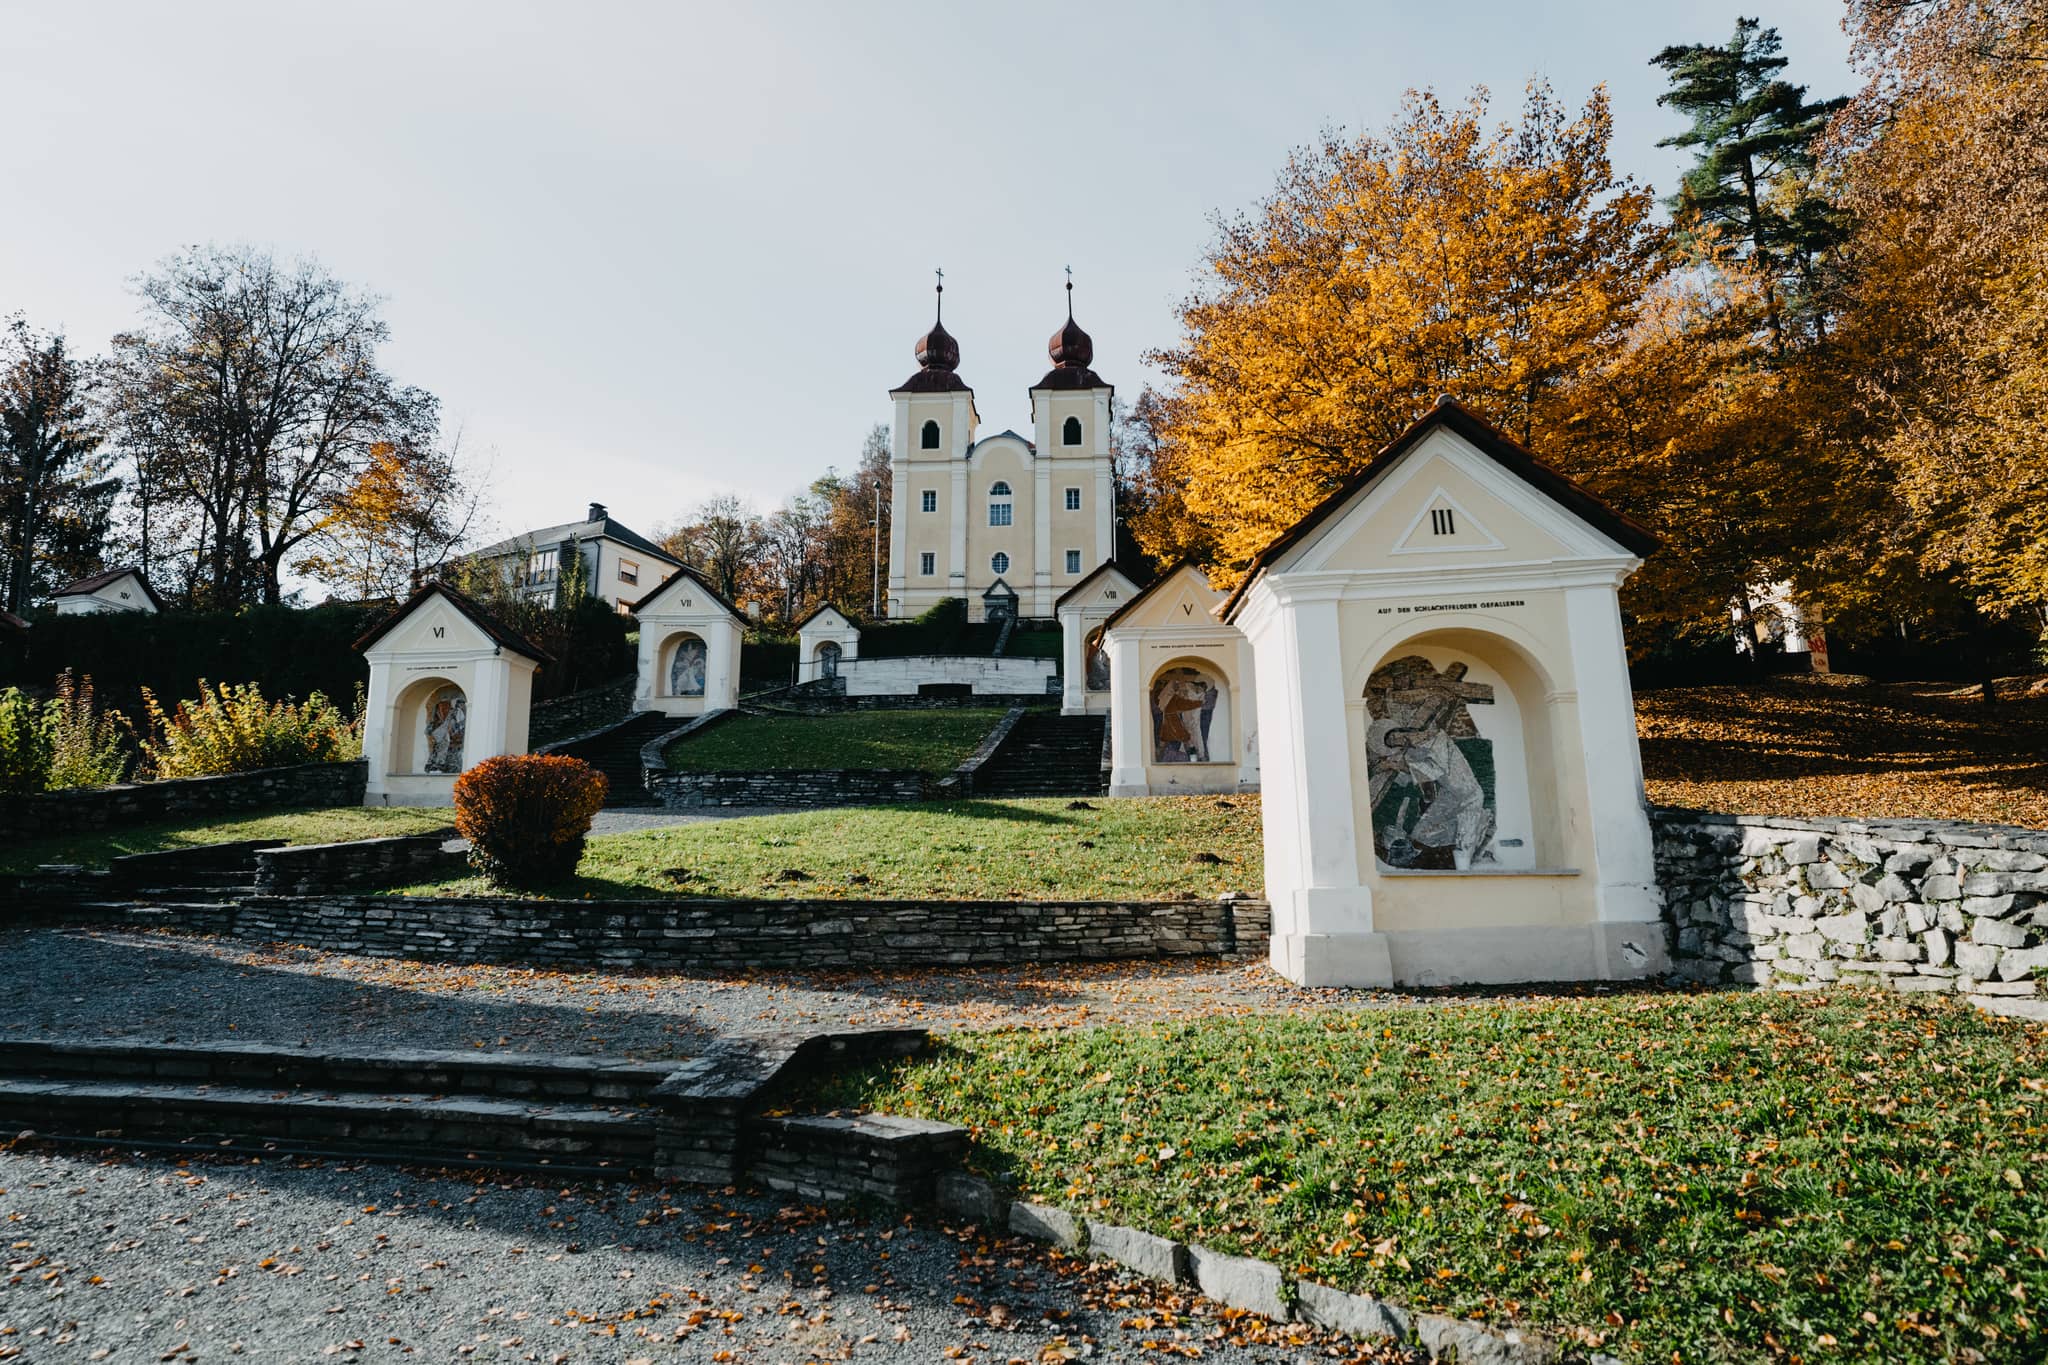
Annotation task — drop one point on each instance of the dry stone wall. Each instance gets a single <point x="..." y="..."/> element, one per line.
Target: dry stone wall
<point x="84" y="809"/>
<point x="681" y="934"/>
<point x="1914" y="905"/>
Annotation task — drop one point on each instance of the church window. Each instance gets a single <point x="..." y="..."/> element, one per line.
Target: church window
<point x="1070" y="433"/>
<point x="999" y="489"/>
<point x="929" y="500"/>
<point x="928" y="562"/>
<point x="1073" y="561"/>
<point x="1073" y="499"/>
<point x="1000" y="562"/>
<point x="928" y="439"/>
<point x="999" y="504"/>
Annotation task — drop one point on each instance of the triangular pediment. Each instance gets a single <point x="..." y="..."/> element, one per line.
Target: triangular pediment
<point x="827" y="619"/>
<point x="1443" y="505"/>
<point x="434" y="625"/>
<point x="1181" y="598"/>
<point x="686" y="596"/>
<point x="1106" y="589"/>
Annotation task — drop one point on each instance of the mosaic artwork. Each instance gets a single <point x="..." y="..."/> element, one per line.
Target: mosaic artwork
<point x="1097" y="670"/>
<point x="686" y="672"/>
<point x="1430" y="772"/>
<point x="447" y="720"/>
<point x="828" y="660"/>
<point x="1183" y="712"/>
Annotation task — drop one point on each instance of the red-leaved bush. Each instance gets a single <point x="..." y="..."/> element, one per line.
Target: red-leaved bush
<point x="525" y="816"/>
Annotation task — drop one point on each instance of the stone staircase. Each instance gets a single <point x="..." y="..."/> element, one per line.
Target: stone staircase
<point x="1046" y="754"/>
<point x="583" y="1115"/>
<point x="616" y="753"/>
<point x="213" y="874"/>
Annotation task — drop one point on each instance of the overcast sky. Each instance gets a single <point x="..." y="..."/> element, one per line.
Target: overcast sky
<point x="649" y="253"/>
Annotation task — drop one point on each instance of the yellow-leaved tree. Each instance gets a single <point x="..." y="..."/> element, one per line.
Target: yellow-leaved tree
<point x="1942" y="159"/>
<point x="1502" y="264"/>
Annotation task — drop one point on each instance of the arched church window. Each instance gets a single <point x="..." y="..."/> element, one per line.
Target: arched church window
<point x="928" y="438"/>
<point x="1070" y="434"/>
<point x="999" y="489"/>
<point x="999" y="504"/>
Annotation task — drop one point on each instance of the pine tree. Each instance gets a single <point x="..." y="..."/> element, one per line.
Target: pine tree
<point x="1752" y="184"/>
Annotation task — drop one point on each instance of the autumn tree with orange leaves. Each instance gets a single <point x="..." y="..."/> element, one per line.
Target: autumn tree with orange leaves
<point x="1942" y="160"/>
<point x="1502" y="264"/>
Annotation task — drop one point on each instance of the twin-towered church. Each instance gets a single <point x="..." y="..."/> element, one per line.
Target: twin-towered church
<point x="973" y="515"/>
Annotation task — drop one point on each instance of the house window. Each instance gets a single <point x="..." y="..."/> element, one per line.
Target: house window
<point x="629" y="572"/>
<point x="928" y="439"/>
<point x="1073" y="499"/>
<point x="928" y="501"/>
<point x="1070" y="433"/>
<point x="541" y="566"/>
<point x="1073" y="561"/>
<point x="928" y="562"/>
<point x="999" y="504"/>
<point x="1000" y="562"/>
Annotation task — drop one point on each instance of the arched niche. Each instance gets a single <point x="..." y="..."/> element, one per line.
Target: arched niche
<point x="828" y="659"/>
<point x="431" y="728"/>
<point x="685" y="660"/>
<point x="1460" y="761"/>
<point x="1095" y="662"/>
<point x="1188" y="705"/>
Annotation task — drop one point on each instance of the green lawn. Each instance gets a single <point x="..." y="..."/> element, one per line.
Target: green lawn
<point x="295" y="826"/>
<point x="919" y="741"/>
<point x="969" y="850"/>
<point x="1728" y="1177"/>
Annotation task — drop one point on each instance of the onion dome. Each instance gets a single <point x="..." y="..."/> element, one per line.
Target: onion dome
<point x="936" y="349"/>
<point x="1070" y="347"/>
<point x="1072" y="351"/>
<point x="938" y="355"/>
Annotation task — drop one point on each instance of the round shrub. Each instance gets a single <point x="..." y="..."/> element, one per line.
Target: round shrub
<point x="526" y="815"/>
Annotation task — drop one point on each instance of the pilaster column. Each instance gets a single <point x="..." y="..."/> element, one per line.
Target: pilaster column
<point x="1624" y="861"/>
<point x="1073" y="683"/>
<point x="956" y="548"/>
<point x="1041" y="535"/>
<point x="1129" y="717"/>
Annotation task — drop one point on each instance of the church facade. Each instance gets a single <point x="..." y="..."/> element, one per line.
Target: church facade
<point x="972" y="513"/>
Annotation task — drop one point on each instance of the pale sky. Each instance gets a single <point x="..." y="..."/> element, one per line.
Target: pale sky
<point x="649" y="253"/>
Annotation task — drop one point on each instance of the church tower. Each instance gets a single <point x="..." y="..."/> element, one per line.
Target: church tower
<point x="932" y="433"/>
<point x="1076" y="494"/>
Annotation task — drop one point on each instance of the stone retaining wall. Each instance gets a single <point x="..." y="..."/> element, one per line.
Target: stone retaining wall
<point x="708" y="935"/>
<point x="680" y="790"/>
<point x="84" y="809"/>
<point x="1916" y="905"/>
<point x="315" y="869"/>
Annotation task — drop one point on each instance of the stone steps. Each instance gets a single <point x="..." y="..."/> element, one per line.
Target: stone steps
<point x="1046" y="755"/>
<point x="429" y="1128"/>
<point x="616" y="754"/>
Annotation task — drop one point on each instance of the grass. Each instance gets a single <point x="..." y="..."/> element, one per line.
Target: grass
<point x="325" y="826"/>
<point x="1141" y="849"/>
<point x="906" y="741"/>
<point x="1727" y="1177"/>
<point x="1840" y="746"/>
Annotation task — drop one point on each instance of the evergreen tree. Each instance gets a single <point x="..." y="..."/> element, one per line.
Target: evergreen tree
<point x="54" y="501"/>
<point x="1751" y="187"/>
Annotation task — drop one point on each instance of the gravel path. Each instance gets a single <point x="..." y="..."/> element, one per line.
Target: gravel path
<point x="122" y="1259"/>
<point x="622" y="821"/>
<point x="170" y="986"/>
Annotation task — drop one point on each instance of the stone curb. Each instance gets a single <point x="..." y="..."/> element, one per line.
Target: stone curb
<point x="1253" y="1285"/>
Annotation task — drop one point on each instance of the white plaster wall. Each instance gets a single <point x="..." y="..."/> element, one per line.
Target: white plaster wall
<point x="987" y="676"/>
